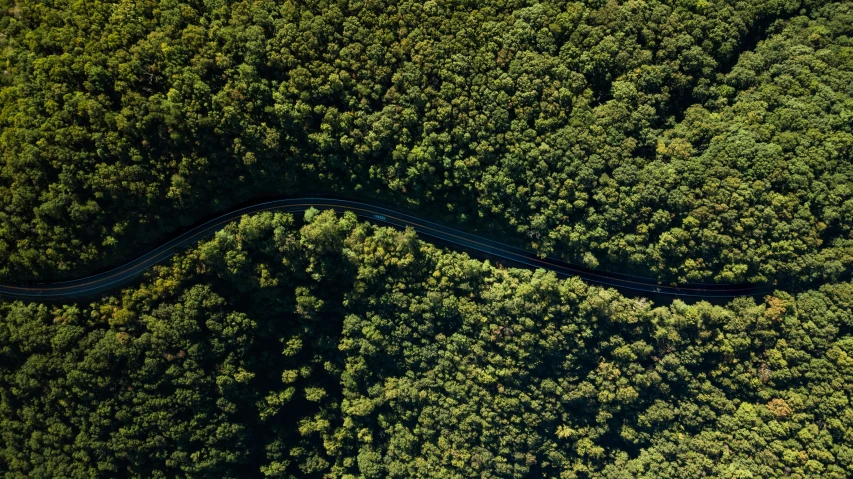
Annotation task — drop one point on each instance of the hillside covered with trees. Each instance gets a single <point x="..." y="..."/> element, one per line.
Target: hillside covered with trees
<point x="693" y="141"/>
<point x="339" y="349"/>
<point x="686" y="141"/>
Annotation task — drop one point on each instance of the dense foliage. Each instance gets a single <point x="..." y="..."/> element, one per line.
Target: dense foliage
<point x="705" y="140"/>
<point x="346" y="350"/>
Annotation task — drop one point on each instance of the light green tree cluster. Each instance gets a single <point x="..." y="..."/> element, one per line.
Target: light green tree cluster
<point x="338" y="349"/>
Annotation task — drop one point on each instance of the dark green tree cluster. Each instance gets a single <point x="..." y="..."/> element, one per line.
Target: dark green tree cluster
<point x="338" y="349"/>
<point x="705" y="140"/>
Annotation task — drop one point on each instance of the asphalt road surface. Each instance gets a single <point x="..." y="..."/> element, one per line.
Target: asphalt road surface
<point x="100" y="283"/>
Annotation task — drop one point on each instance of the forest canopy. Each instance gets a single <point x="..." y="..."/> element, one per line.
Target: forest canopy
<point x="686" y="141"/>
<point x="340" y="349"/>
<point x="705" y="141"/>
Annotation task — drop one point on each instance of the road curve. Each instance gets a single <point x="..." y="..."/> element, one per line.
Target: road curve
<point x="100" y="283"/>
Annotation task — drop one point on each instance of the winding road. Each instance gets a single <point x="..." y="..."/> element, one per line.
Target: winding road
<point x="100" y="283"/>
